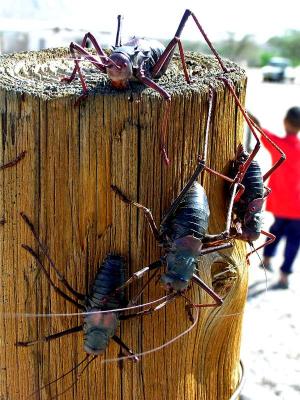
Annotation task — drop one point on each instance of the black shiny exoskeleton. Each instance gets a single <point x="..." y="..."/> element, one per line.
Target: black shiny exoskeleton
<point x="183" y="236"/>
<point x="248" y="204"/>
<point x="246" y="172"/>
<point x="248" y="208"/>
<point x="139" y="59"/>
<point x="183" y="232"/>
<point x="98" y="327"/>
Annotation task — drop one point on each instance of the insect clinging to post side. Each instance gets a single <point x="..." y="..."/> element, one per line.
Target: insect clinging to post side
<point x="183" y="232"/>
<point x="98" y="328"/>
<point x="102" y="308"/>
<point x="248" y="202"/>
<point x="139" y="59"/>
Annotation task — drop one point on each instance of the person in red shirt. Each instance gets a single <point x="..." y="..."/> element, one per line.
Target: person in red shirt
<point x="284" y="200"/>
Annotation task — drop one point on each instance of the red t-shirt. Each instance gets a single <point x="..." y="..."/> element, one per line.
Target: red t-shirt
<point x="284" y="200"/>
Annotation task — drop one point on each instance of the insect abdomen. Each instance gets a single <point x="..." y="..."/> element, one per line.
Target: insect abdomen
<point x="253" y="183"/>
<point x="190" y="217"/>
<point x="110" y="275"/>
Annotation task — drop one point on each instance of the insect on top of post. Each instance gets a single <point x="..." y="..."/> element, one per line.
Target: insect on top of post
<point x="139" y="59"/>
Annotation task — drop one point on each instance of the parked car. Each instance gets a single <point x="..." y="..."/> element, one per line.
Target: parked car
<point x="278" y="69"/>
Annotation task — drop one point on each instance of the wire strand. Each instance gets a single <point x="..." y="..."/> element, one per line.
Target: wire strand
<point x="53" y="315"/>
<point x="174" y="339"/>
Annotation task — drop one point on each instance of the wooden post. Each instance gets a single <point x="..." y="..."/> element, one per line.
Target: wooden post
<point x="74" y="154"/>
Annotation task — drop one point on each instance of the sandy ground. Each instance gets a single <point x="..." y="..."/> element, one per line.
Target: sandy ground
<point x="271" y="338"/>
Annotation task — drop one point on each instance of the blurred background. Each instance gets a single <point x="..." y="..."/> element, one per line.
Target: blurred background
<point x="262" y="37"/>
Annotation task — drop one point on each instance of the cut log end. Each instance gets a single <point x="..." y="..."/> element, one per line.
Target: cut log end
<point x="40" y="74"/>
<point x="73" y="157"/>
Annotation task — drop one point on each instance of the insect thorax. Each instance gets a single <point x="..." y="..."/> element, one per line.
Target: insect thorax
<point x="190" y="218"/>
<point x="142" y="52"/>
<point x="98" y="329"/>
<point x="180" y="267"/>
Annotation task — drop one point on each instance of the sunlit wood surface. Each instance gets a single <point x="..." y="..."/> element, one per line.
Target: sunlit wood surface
<point x="74" y="154"/>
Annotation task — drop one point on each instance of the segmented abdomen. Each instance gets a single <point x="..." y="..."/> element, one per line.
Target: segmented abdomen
<point x="253" y="183"/>
<point x="110" y="275"/>
<point x="190" y="217"/>
<point x="254" y="187"/>
<point x="143" y="52"/>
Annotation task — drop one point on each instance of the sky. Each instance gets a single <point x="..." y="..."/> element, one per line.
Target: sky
<point x="158" y="18"/>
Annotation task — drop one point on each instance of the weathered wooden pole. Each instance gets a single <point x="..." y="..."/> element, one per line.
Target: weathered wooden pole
<point x="74" y="154"/>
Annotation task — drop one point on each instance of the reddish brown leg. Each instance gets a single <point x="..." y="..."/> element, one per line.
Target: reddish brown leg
<point x="212" y="171"/>
<point x="164" y="61"/>
<point x="218" y="300"/>
<point x="138" y="274"/>
<point x="200" y="167"/>
<point x="269" y="241"/>
<point x="163" y="136"/>
<point x="166" y="56"/>
<point x="201" y="162"/>
<point x="63" y="280"/>
<point x="208" y="290"/>
<point x="82" y="51"/>
<point x="282" y="155"/>
<point x="226" y="178"/>
<point x="13" y="162"/>
<point x="128" y="351"/>
<point x="216" y="247"/>
<point x="252" y="127"/>
<point x="210" y="45"/>
<point x="56" y="288"/>
<point x="243" y="168"/>
<point x="267" y="191"/>
<point x="151" y="84"/>
<point x="166" y="113"/>
<point x="150" y="310"/>
<point x="48" y="338"/>
<point x="133" y="301"/>
<point x="77" y="49"/>
<point x="145" y="210"/>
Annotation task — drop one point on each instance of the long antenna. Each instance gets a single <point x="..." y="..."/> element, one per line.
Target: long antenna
<point x="262" y="264"/>
<point x="174" y="339"/>
<point x="75" y="380"/>
<point x="209" y="115"/>
<point x="53" y="315"/>
<point x="60" y="377"/>
<point x="118" y="41"/>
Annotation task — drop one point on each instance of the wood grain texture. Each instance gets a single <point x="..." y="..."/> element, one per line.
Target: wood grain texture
<point x="73" y="156"/>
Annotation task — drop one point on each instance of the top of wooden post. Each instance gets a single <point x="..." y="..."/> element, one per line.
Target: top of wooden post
<point x="39" y="73"/>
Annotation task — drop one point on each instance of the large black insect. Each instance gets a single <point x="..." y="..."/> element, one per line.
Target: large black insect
<point x="98" y="328"/>
<point x="248" y="200"/>
<point x="100" y="321"/>
<point x="183" y="232"/>
<point x="248" y="207"/>
<point x="139" y="59"/>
